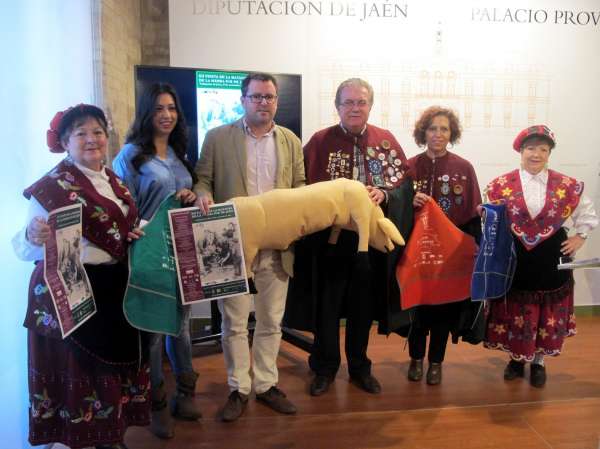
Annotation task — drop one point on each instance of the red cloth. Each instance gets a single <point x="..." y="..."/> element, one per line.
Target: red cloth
<point x="437" y="263"/>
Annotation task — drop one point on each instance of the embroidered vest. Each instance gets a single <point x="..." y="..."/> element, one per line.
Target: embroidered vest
<point x="562" y="197"/>
<point x="103" y="221"/>
<point x="103" y="224"/>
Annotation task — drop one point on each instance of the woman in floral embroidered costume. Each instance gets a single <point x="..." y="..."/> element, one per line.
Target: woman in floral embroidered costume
<point x="537" y="313"/>
<point x="85" y="389"/>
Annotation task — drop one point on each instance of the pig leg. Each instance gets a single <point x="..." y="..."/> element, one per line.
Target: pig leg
<point x="362" y="227"/>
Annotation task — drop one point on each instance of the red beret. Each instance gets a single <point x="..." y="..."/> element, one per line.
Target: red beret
<point x="535" y="130"/>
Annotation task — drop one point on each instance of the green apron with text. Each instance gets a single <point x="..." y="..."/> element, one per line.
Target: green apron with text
<point x="152" y="300"/>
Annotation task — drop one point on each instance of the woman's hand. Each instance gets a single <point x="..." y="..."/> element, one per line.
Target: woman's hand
<point x="420" y="199"/>
<point x="186" y="196"/>
<point x="135" y="234"/>
<point x="38" y="231"/>
<point x="203" y="202"/>
<point x="570" y="246"/>
<point x="376" y="195"/>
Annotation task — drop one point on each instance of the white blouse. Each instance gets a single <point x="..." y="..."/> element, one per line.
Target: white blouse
<point x="90" y="253"/>
<point x="534" y="192"/>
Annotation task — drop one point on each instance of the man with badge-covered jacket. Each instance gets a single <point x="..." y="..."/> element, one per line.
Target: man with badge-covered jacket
<point x="339" y="282"/>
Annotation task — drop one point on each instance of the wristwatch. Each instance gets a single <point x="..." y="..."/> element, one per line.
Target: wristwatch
<point x="583" y="235"/>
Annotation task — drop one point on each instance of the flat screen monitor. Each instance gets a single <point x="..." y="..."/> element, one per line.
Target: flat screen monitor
<point x="211" y="97"/>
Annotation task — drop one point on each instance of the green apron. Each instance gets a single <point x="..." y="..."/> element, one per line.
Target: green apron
<point x="152" y="300"/>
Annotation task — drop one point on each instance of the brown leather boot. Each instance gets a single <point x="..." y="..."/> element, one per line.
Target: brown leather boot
<point x="162" y="424"/>
<point x="182" y="403"/>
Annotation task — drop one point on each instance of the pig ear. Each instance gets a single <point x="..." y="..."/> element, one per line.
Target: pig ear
<point x="390" y="230"/>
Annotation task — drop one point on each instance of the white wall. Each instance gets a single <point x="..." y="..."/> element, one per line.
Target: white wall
<point x="48" y="44"/>
<point x="503" y="65"/>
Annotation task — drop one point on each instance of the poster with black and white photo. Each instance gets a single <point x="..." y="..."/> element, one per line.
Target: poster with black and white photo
<point x="208" y="253"/>
<point x="63" y="271"/>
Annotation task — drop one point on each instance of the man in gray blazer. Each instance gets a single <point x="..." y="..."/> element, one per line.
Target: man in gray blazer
<point x="248" y="157"/>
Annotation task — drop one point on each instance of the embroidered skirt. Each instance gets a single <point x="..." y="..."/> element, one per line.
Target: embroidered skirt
<point x="524" y="328"/>
<point x="78" y="397"/>
<point x="538" y="312"/>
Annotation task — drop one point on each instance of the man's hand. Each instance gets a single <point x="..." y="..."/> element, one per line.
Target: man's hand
<point x="203" y="202"/>
<point x="186" y="196"/>
<point x="376" y="195"/>
<point x="420" y="199"/>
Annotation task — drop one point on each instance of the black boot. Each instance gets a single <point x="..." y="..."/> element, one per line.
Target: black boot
<point x="538" y="375"/>
<point x="514" y="369"/>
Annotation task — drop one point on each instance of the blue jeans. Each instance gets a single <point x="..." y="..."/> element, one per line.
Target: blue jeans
<point x="179" y="350"/>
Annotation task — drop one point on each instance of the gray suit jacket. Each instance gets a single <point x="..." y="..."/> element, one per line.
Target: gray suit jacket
<point x="221" y="168"/>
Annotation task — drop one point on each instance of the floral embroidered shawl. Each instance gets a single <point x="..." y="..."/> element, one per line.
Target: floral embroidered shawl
<point x="562" y="197"/>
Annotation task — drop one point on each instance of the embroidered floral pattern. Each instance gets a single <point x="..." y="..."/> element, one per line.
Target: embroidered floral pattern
<point x="73" y="195"/>
<point x="114" y="231"/>
<point x="40" y="289"/>
<point x="519" y="321"/>
<point x="45" y="319"/>
<point x="529" y="328"/>
<point x="92" y="408"/>
<point x="499" y="329"/>
<point x="133" y="393"/>
<point x="561" y="198"/>
<point x="100" y="214"/>
<point x="41" y="405"/>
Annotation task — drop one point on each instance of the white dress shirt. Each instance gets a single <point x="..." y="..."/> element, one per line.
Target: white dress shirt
<point x="534" y="192"/>
<point x="90" y="253"/>
<point x="261" y="165"/>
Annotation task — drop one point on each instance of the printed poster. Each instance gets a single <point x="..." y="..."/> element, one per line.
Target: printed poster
<point x="64" y="273"/>
<point x="208" y="253"/>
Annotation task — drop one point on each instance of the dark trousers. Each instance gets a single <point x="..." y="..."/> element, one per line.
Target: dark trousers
<point x="344" y="292"/>
<point x="437" y="321"/>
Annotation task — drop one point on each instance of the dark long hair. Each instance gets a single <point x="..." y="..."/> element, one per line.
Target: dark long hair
<point x="141" y="132"/>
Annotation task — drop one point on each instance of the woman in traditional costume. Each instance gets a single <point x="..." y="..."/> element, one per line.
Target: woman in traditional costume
<point x="450" y="181"/>
<point x="87" y="388"/>
<point x="153" y="165"/>
<point x="537" y="313"/>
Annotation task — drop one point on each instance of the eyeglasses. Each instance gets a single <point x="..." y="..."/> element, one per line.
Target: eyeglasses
<point x="352" y="103"/>
<point x="257" y="98"/>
